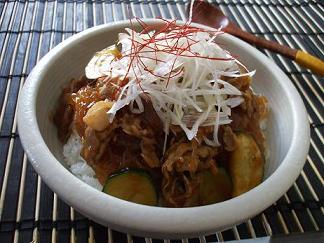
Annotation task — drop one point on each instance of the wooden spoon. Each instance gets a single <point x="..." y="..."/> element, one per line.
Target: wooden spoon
<point x="208" y="14"/>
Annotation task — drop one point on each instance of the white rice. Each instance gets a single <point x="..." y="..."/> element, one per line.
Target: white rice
<point x="77" y="165"/>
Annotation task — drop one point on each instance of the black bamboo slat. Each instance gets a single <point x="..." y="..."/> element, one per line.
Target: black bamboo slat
<point x="100" y="233"/>
<point x="243" y="231"/>
<point x="24" y="39"/>
<point x="119" y="237"/>
<point x="28" y="220"/>
<point x="63" y="210"/>
<point x="45" y="209"/>
<point x="228" y="235"/>
<point x="259" y="229"/>
<point x="81" y="228"/>
<point x="175" y="241"/>
<point x="12" y="192"/>
<point x="14" y="153"/>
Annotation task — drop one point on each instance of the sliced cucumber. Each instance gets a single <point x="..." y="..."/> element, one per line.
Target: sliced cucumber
<point x="132" y="185"/>
<point x="214" y="188"/>
<point x="246" y="164"/>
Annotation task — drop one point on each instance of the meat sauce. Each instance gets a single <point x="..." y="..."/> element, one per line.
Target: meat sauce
<point x="137" y="140"/>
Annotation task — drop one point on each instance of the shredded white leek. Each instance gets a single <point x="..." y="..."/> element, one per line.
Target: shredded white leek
<point x="185" y="91"/>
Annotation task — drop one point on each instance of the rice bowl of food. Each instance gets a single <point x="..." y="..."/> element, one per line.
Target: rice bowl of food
<point x="163" y="123"/>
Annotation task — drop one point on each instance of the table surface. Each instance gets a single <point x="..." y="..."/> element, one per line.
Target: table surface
<point x="29" y="210"/>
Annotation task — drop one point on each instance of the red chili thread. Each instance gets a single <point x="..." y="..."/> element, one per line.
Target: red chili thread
<point x="171" y="31"/>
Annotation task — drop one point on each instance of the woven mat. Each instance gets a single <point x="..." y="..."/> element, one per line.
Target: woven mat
<point x="29" y="210"/>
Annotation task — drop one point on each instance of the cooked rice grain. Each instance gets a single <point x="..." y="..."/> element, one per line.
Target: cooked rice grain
<point x="77" y="165"/>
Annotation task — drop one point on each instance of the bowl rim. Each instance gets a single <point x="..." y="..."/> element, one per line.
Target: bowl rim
<point x="158" y="221"/>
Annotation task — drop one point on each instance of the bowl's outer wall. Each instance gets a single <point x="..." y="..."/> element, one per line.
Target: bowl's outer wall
<point x="68" y="60"/>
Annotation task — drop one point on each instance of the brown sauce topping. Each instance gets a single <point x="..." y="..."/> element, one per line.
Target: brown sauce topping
<point x="136" y="140"/>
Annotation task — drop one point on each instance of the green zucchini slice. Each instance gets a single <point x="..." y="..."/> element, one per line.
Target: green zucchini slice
<point x="133" y="185"/>
<point x="214" y="188"/>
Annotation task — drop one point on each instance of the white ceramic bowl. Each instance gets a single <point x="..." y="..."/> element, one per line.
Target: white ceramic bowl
<point x="287" y="134"/>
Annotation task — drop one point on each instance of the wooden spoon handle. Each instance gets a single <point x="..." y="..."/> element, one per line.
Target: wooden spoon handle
<point x="302" y="58"/>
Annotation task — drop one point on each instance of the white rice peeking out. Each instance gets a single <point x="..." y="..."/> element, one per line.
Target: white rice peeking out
<point x="77" y="165"/>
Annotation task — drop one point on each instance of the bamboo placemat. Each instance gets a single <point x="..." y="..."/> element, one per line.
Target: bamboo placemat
<point x="29" y="210"/>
